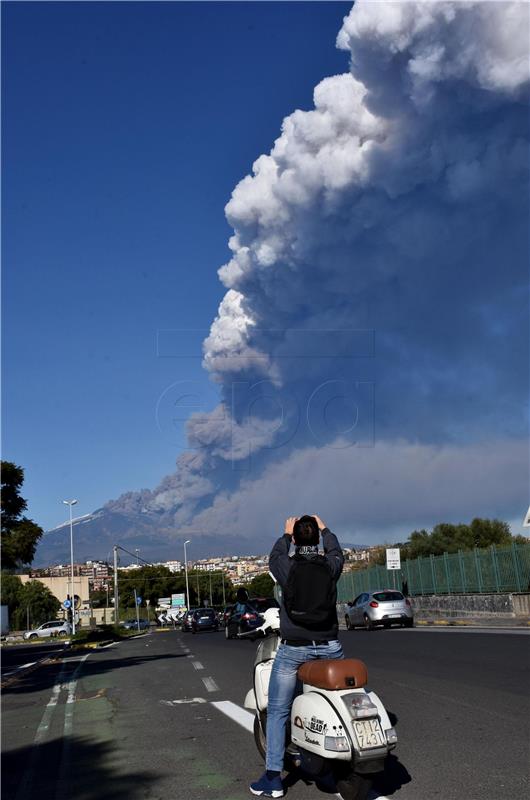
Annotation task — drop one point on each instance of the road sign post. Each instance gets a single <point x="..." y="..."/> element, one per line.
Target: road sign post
<point x="137" y="601"/>
<point x="393" y="561"/>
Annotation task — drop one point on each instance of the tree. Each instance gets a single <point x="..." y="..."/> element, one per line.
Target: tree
<point x="11" y="588"/>
<point x="261" y="586"/>
<point x="98" y="598"/>
<point x="20" y="535"/>
<point x="447" y="537"/>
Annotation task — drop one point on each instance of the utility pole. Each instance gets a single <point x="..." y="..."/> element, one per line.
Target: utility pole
<point x="71" y="503"/>
<point x="224" y="597"/>
<point x="198" y="593"/>
<point x="186" y="569"/>
<point x="116" y="598"/>
<point x="211" y="601"/>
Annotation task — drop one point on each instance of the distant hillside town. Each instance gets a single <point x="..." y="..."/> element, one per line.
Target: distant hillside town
<point x="240" y="569"/>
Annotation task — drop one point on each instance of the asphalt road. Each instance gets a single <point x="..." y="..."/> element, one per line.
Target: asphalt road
<point x="16" y="656"/>
<point x="138" y="720"/>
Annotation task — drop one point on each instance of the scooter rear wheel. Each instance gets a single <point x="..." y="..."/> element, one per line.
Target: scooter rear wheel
<point x="354" y="786"/>
<point x="260" y="738"/>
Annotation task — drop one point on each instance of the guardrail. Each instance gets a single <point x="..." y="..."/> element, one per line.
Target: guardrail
<point x="489" y="570"/>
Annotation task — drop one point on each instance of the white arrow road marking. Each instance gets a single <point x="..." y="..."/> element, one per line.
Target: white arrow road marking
<point x="184" y="700"/>
<point x="210" y="684"/>
<point x="197" y="665"/>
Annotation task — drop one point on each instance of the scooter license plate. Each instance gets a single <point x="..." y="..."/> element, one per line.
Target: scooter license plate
<point x="369" y="733"/>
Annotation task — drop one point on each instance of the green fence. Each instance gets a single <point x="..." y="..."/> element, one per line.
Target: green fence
<point x="494" y="569"/>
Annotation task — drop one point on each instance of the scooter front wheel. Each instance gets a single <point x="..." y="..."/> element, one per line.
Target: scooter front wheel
<point x="353" y="786"/>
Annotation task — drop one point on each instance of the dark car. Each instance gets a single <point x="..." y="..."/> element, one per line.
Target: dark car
<point x="250" y="619"/>
<point x="133" y="624"/>
<point x="226" y="614"/>
<point x="187" y="619"/>
<point x="204" y="620"/>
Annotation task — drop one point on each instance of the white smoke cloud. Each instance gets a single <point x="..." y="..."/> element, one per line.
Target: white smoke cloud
<point x="398" y="204"/>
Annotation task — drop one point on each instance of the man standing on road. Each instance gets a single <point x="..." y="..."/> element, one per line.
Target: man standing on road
<point x="308" y="627"/>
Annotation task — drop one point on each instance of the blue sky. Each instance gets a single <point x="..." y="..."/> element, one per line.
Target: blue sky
<point x="394" y="201"/>
<point x="125" y="128"/>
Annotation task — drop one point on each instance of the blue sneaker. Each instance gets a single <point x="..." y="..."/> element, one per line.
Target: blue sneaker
<point x="266" y="787"/>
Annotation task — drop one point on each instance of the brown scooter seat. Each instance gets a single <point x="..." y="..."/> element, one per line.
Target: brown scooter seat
<point x="334" y="673"/>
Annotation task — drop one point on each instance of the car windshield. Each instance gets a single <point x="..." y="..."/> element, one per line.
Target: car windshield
<point x="208" y="612"/>
<point x="387" y="597"/>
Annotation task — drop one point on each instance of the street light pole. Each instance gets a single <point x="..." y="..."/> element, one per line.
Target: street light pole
<point x="71" y="503"/>
<point x="186" y="569"/>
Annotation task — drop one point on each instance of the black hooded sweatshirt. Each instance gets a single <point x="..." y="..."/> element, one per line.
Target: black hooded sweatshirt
<point x="280" y="564"/>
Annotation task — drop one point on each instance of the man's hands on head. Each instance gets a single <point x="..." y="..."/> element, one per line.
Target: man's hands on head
<point x="321" y="525"/>
<point x="289" y="525"/>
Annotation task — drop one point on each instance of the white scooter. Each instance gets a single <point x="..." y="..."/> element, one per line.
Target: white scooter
<point x="337" y="725"/>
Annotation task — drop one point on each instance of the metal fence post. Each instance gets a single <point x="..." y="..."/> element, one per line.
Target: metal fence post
<point x="433" y="574"/>
<point x="479" y="572"/>
<point x="420" y="575"/>
<point x="495" y="565"/>
<point x="516" y="567"/>
<point x="462" y="571"/>
<point x="446" y="565"/>
<point x="352" y="586"/>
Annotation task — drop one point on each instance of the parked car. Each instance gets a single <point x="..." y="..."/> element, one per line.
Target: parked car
<point x="132" y="624"/>
<point x="251" y="619"/>
<point x="204" y="620"/>
<point x="384" y="607"/>
<point x="57" y="627"/>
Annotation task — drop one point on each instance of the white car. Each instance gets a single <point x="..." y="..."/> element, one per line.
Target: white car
<point x="58" y="627"/>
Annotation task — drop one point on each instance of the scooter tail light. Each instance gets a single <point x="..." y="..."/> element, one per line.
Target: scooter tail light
<point x="361" y="707"/>
<point x="374" y="604"/>
<point x="336" y="743"/>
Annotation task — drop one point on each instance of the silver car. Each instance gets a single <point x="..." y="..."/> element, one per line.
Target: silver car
<point x="381" y="607"/>
<point x="58" y="627"/>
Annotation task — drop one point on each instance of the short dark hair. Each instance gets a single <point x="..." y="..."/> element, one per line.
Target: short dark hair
<point x="305" y="531"/>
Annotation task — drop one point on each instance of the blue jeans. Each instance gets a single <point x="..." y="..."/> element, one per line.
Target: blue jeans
<point x="282" y="688"/>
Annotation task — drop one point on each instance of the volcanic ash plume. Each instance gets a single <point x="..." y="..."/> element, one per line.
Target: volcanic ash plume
<point x="374" y="328"/>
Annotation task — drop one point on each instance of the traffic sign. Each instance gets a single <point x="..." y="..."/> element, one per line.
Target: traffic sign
<point x="138" y="601"/>
<point x="393" y="558"/>
<point x="178" y="600"/>
<point x="67" y="604"/>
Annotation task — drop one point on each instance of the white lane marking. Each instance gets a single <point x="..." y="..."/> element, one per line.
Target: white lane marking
<point x="25" y="784"/>
<point x="61" y="786"/>
<point x="210" y="684"/>
<point x="23" y="666"/>
<point x="197" y="665"/>
<point x="235" y="712"/>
